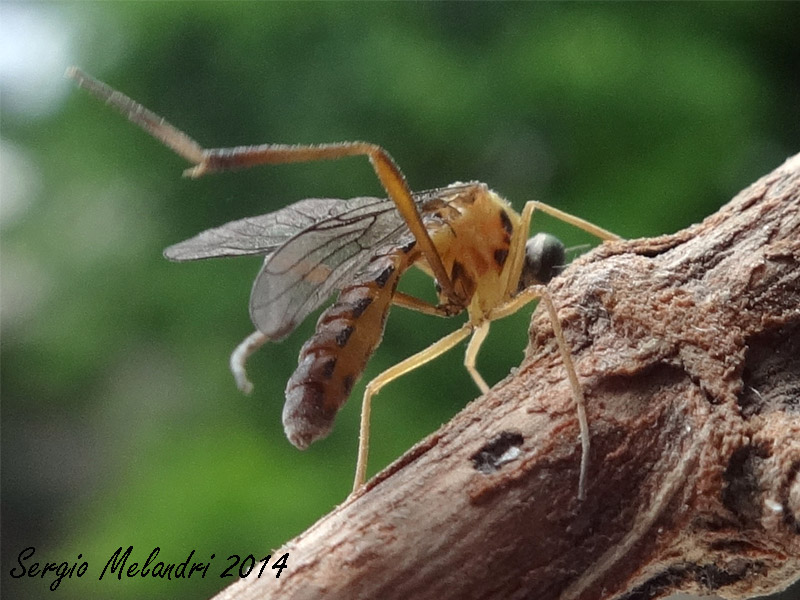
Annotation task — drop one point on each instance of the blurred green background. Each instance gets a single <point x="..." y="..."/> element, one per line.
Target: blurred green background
<point x="120" y="421"/>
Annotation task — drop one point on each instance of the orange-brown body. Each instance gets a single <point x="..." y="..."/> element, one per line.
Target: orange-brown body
<point x="464" y="235"/>
<point x="333" y="359"/>
<point x="348" y="332"/>
<point x="475" y="213"/>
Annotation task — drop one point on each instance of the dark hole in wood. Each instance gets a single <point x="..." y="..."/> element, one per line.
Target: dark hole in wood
<point x="502" y="449"/>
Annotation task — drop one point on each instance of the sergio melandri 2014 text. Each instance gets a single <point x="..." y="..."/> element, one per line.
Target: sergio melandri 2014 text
<point x="119" y="565"/>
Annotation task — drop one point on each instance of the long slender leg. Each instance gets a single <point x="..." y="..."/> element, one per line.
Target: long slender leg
<point x="475" y="342"/>
<point x="512" y="271"/>
<point x="540" y="292"/>
<point x="169" y="135"/>
<point x="423" y="306"/>
<point x="209" y="160"/>
<point x="511" y="281"/>
<point x="516" y="255"/>
<point x="389" y="174"/>
<point x="390" y="374"/>
<point x="239" y="356"/>
<point x="599" y="232"/>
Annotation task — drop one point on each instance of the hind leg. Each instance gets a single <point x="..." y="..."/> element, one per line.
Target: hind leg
<point x="390" y="374"/>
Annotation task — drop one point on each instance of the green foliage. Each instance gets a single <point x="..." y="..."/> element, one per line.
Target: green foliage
<point x="121" y="423"/>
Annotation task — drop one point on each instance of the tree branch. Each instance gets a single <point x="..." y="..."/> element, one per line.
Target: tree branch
<point x="688" y="348"/>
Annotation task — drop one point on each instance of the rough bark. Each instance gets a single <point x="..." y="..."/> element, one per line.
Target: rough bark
<point x="688" y="349"/>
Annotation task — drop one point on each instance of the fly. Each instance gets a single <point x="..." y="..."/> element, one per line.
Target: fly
<point x="464" y="235"/>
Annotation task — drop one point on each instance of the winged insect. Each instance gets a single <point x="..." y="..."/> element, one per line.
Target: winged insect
<point x="464" y="235"/>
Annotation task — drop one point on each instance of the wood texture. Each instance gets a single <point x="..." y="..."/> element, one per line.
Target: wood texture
<point x="688" y="348"/>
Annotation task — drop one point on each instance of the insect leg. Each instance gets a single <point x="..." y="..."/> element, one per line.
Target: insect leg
<point x="239" y="356"/>
<point x="390" y="374"/>
<point x="512" y="271"/>
<point x="169" y="135"/>
<point x="599" y="232"/>
<point x="478" y="336"/>
<point x="389" y="174"/>
<point x="541" y="292"/>
<point x="209" y="160"/>
<point x="516" y="254"/>
<point x="423" y="306"/>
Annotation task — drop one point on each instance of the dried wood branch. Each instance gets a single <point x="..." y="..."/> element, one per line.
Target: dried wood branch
<point x="688" y="348"/>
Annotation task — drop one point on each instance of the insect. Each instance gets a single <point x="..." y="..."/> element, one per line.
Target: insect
<point x="464" y="235"/>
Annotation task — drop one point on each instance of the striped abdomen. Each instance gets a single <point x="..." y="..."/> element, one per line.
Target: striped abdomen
<point x="334" y="358"/>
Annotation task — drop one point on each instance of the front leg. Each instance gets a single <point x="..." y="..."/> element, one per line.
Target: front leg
<point x="541" y="292"/>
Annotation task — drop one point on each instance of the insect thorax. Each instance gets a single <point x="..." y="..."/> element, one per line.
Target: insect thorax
<point x="473" y="234"/>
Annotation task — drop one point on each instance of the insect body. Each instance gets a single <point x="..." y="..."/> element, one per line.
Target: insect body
<point x="465" y="235"/>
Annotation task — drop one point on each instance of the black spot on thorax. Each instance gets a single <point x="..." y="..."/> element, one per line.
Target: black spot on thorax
<point x="500" y="256"/>
<point x="505" y="221"/>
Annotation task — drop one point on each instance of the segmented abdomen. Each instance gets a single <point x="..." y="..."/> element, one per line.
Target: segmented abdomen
<point x="334" y="358"/>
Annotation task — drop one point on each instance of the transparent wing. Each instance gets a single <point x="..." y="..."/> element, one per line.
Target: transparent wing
<point x="302" y="273"/>
<point x="312" y="248"/>
<point x="260" y="235"/>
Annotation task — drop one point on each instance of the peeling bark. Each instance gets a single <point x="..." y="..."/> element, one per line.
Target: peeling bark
<point x="688" y="348"/>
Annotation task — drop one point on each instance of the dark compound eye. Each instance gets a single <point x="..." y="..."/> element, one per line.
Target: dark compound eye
<point x="544" y="259"/>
